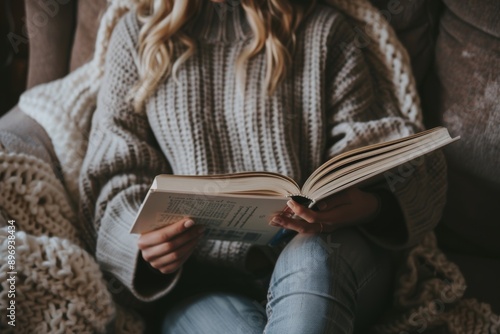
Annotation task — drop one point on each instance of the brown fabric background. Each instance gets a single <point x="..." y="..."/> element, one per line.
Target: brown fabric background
<point x="89" y="13"/>
<point x="50" y="30"/>
<point x="62" y="36"/>
<point x="468" y="67"/>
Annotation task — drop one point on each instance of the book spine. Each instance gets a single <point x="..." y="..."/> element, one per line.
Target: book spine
<point x="303" y="200"/>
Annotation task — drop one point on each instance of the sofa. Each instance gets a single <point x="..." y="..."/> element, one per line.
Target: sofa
<point x="455" y="50"/>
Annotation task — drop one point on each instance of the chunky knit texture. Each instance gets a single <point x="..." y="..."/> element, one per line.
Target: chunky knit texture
<point x="59" y="287"/>
<point x="366" y="95"/>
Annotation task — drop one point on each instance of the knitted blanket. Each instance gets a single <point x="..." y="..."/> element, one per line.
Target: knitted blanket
<point x="59" y="287"/>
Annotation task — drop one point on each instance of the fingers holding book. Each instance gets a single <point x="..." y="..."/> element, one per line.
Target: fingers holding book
<point x="349" y="207"/>
<point x="167" y="248"/>
<point x="297" y="224"/>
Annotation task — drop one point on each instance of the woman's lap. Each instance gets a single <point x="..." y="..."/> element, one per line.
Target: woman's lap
<point x="217" y="312"/>
<point x="320" y="284"/>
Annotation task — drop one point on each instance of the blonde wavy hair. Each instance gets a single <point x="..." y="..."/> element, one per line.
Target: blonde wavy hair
<point x="273" y="23"/>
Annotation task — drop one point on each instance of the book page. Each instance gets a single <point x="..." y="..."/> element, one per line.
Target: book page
<point x="225" y="217"/>
<point x="375" y="167"/>
<point x="371" y="150"/>
<point x="265" y="183"/>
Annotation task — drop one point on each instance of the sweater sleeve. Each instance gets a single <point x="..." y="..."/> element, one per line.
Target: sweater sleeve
<point x="119" y="167"/>
<point x="360" y="113"/>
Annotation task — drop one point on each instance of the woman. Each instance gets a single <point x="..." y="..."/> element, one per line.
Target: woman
<point x="195" y="87"/>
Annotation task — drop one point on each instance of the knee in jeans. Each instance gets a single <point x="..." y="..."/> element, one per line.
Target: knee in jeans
<point x="308" y="255"/>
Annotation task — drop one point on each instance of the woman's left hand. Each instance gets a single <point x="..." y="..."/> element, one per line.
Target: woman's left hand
<point x="349" y="207"/>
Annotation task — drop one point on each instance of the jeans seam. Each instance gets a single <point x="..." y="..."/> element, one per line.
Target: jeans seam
<point x="269" y="310"/>
<point x="268" y="305"/>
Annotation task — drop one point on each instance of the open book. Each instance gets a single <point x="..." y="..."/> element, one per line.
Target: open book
<point x="239" y="206"/>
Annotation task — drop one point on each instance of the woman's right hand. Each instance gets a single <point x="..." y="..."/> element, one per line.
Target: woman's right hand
<point x="167" y="248"/>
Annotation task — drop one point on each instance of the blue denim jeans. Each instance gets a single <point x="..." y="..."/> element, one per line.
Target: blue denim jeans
<point x="337" y="283"/>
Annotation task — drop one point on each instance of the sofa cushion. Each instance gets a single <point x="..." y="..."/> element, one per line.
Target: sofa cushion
<point x="482" y="15"/>
<point x="49" y="26"/>
<point x="89" y="14"/>
<point x="468" y="68"/>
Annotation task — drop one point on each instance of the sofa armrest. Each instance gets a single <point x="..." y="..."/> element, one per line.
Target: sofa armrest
<point x="50" y="26"/>
<point x="20" y="133"/>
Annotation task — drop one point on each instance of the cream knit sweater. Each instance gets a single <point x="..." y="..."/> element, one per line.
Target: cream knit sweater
<point x="337" y="99"/>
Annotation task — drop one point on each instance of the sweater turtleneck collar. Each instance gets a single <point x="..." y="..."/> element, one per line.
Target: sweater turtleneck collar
<point x="220" y="23"/>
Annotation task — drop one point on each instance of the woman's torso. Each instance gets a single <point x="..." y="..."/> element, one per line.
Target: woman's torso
<point x="204" y="125"/>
